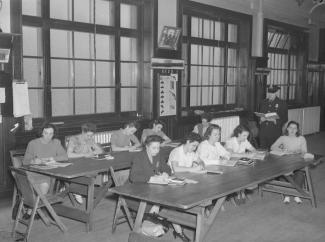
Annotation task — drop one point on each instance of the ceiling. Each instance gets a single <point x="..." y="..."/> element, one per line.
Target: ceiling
<point x="288" y="11"/>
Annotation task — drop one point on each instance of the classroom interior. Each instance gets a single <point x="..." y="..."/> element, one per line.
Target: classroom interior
<point x="110" y="62"/>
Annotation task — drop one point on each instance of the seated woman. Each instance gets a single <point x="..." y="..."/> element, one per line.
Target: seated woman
<point x="149" y="163"/>
<point x="42" y="150"/>
<point x="156" y="127"/>
<point x="210" y="151"/>
<point x="124" y="139"/>
<point x="84" y="145"/>
<point x="238" y="144"/>
<point x="184" y="158"/>
<point x="292" y="143"/>
<point x="202" y="127"/>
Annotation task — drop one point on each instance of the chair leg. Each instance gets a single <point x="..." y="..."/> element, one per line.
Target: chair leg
<point x="20" y="208"/>
<point x="54" y="215"/>
<point x="14" y="197"/>
<point x="31" y="221"/>
<point x="117" y="212"/>
<point x="310" y="187"/>
<point x="44" y="218"/>
<point x="128" y="214"/>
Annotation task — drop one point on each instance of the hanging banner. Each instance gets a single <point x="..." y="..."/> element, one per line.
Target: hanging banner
<point x="167" y="94"/>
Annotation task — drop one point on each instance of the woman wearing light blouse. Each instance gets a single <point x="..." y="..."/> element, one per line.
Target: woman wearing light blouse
<point x="210" y="151"/>
<point x="292" y="143"/>
<point x="238" y="144"/>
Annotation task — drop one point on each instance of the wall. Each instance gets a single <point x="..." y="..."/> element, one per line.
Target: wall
<point x="5" y="16"/>
<point x="167" y="13"/>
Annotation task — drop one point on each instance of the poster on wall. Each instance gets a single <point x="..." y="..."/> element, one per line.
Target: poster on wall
<point x="167" y="94"/>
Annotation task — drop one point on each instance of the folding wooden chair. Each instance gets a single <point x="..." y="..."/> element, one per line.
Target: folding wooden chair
<point x="32" y="197"/>
<point x="119" y="217"/>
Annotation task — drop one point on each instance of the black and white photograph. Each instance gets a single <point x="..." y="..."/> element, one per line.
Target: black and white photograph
<point x="162" y="120"/>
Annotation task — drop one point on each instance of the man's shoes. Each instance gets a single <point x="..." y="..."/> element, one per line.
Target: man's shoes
<point x="297" y="200"/>
<point x="286" y="200"/>
<point x="78" y="198"/>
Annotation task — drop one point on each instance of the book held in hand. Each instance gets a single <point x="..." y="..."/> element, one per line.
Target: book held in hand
<point x="273" y="115"/>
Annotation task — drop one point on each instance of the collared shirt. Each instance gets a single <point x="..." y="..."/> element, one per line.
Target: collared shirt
<point x="211" y="154"/>
<point x="183" y="159"/>
<point x="235" y="146"/>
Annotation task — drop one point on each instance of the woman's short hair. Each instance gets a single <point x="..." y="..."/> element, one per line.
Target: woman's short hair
<point x="131" y="124"/>
<point x="192" y="137"/>
<point x="156" y="122"/>
<point x="209" y="130"/>
<point x="239" y="129"/>
<point x="47" y="125"/>
<point x="205" y="116"/>
<point x="88" y="127"/>
<point x="153" y="138"/>
<point x="298" y="128"/>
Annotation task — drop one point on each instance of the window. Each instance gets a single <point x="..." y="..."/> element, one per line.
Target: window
<point x="285" y="50"/>
<point x="213" y="61"/>
<point x="82" y="57"/>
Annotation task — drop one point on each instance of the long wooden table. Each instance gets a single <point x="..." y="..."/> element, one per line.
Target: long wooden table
<point x="187" y="203"/>
<point x="82" y="174"/>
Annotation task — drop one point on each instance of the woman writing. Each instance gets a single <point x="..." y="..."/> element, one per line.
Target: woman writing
<point x="42" y="150"/>
<point x="292" y="143"/>
<point x="184" y="158"/>
<point x="210" y="151"/>
<point x="156" y="127"/>
<point x="238" y="144"/>
<point x="149" y="163"/>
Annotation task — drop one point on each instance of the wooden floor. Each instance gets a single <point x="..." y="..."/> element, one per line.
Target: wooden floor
<point x="260" y="219"/>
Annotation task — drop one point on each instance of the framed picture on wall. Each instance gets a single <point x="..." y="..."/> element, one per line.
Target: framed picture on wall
<point x="169" y="38"/>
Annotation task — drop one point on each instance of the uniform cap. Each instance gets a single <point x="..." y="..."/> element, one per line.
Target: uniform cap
<point x="272" y="88"/>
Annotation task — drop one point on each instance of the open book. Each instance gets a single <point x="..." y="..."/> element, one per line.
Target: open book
<point x="163" y="180"/>
<point x="267" y="115"/>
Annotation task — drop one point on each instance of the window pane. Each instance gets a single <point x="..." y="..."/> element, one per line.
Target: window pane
<point x="219" y="30"/>
<point x="128" y="49"/>
<point x="195" y="96"/>
<point x="129" y="74"/>
<point x="84" y="73"/>
<point x="196" y="75"/>
<point x="83" y="11"/>
<point x="207" y="55"/>
<point x="104" y="12"/>
<point x="84" y="101"/>
<point x="232" y="33"/>
<point x="33" y="72"/>
<point x="196" y="30"/>
<point x="206" y="96"/>
<point x="208" y="29"/>
<point x="105" y="73"/>
<point x="231" y="95"/>
<point x="61" y="43"/>
<point x="196" y="54"/>
<point x="105" y="47"/>
<point x="32" y="41"/>
<point x="83" y="45"/>
<point x="232" y="57"/>
<point x="128" y="99"/>
<point x="62" y="102"/>
<point x="218" y="75"/>
<point x="105" y="100"/>
<point x="61" y="73"/>
<point x="32" y="7"/>
<point x="217" y="95"/>
<point x="219" y="56"/>
<point x="36" y="99"/>
<point x="231" y="75"/>
<point x="61" y="9"/>
<point x="128" y="16"/>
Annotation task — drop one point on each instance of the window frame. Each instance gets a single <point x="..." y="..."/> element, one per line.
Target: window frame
<point x="46" y="24"/>
<point x="191" y="9"/>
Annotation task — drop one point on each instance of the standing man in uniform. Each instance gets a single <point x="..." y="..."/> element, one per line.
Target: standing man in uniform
<point x="271" y="128"/>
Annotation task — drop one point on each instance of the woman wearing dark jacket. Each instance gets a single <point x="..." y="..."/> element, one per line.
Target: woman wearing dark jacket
<point x="149" y="162"/>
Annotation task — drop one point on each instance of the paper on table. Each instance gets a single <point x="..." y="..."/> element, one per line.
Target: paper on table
<point x="50" y="165"/>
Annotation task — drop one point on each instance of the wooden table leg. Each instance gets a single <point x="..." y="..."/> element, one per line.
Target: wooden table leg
<point x="310" y="187"/>
<point x="138" y="220"/>
<point x="90" y="204"/>
<point x="203" y="224"/>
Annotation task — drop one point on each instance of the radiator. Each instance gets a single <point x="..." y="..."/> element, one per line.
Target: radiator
<point x="227" y="124"/>
<point x="308" y="119"/>
<point x="102" y="137"/>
